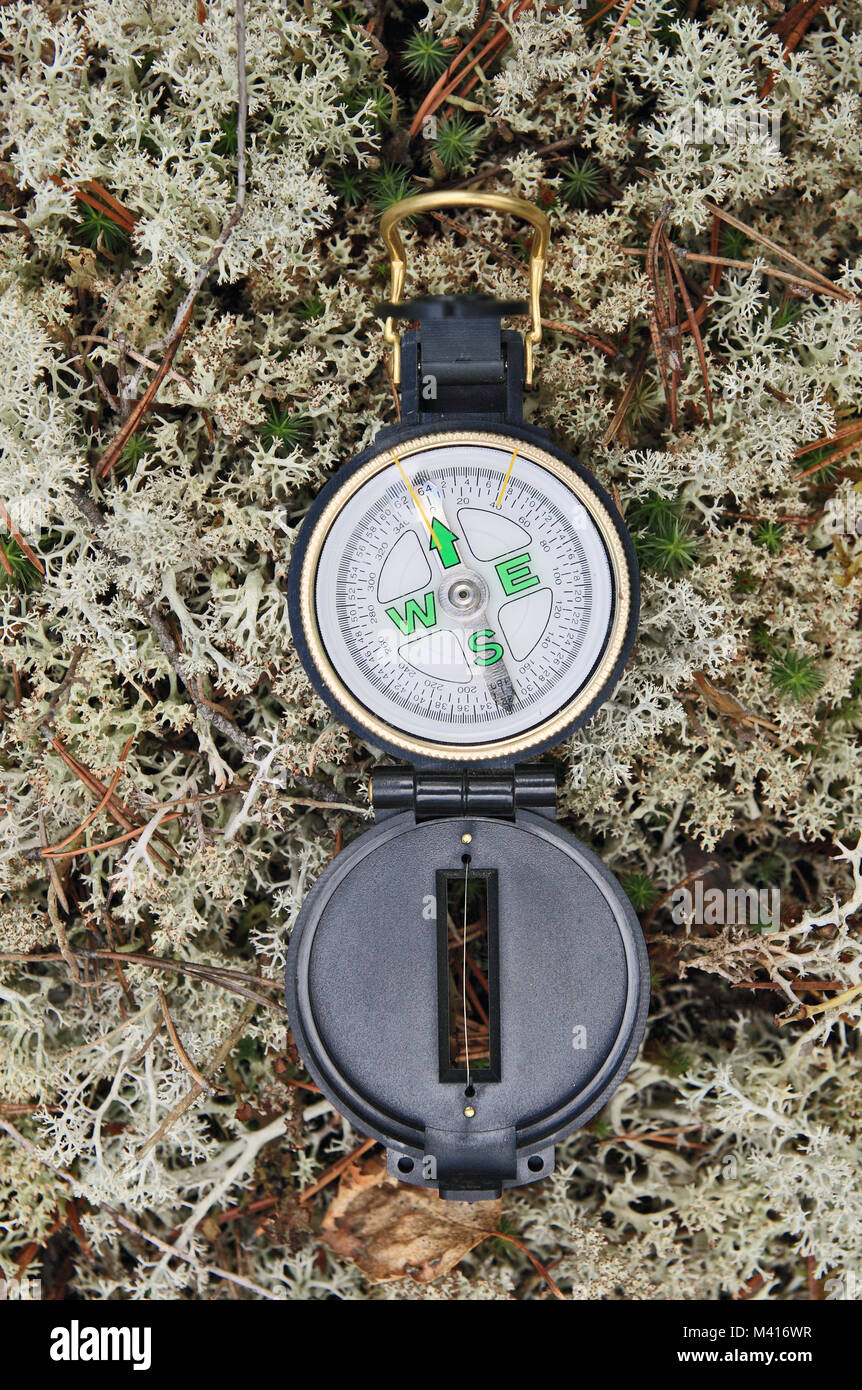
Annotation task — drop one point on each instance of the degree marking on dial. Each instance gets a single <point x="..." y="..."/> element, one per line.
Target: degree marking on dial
<point x="505" y="483"/>
<point x="525" y="503"/>
<point x="419" y="507"/>
<point x="564" y="566"/>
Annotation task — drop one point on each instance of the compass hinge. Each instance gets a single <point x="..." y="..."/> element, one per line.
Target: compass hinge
<point x="432" y="795"/>
<point x="460" y="362"/>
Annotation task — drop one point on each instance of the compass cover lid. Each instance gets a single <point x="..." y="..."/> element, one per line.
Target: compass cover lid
<point x="369" y="996"/>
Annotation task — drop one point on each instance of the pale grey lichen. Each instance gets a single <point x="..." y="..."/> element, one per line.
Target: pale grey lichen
<point x="279" y="379"/>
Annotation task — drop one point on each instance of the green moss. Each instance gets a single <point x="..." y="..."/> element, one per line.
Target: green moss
<point x="456" y="142"/>
<point x="226" y="144"/>
<point x="663" y="541"/>
<point x="311" y="307"/>
<point x="640" y="890"/>
<point x="769" y="534"/>
<point x="289" y="430"/>
<point x="347" y="183"/>
<point x="25" y="575"/>
<point x="796" y="676"/>
<point x="99" y="231"/>
<point x="136" y="447"/>
<point x="389" y="184"/>
<point x="424" y="56"/>
<point x="582" y="182"/>
<point x="763" y="638"/>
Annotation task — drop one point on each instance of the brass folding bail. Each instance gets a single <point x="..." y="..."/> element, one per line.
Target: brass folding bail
<point x="462" y="198"/>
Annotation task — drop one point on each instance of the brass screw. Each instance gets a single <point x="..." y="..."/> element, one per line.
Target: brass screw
<point x="466" y="839"/>
<point x="469" y="1111"/>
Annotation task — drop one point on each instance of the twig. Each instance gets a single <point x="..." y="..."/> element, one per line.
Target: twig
<point x="595" y="77"/>
<point x="117" y="1216"/>
<point x="498" y="252"/>
<point x="620" y="412"/>
<point x="184" y="312"/>
<point x="336" y="1170"/>
<point x="791" y="27"/>
<point x="449" y="80"/>
<point x="536" y="1263"/>
<point x="197" y="1090"/>
<point x="600" y="14"/>
<point x="236" y="787"/>
<point x="788" y="256"/>
<point x="51" y="854"/>
<point x="60" y="691"/>
<point x="814" y="286"/>
<point x="852" y="444"/>
<point x="796" y="983"/>
<point x="150" y="611"/>
<point x="60" y="930"/>
<point x="785" y="520"/>
<point x="164" y="637"/>
<point x="649" y="1134"/>
<point x="183" y="1055"/>
<point x="118" y="810"/>
<point x="248" y="1147"/>
<point x="12" y="220"/>
<point x="253" y="1209"/>
<point x="396" y="399"/>
<point x="657" y="315"/>
<point x="493" y="48"/>
<point x="692" y="321"/>
<point x="52" y="850"/>
<point x="806" y="1011"/>
<point x="22" y="544"/>
<point x="136" y="357"/>
<point x="54" y="876"/>
<point x="854" y="427"/>
<point x="172" y="1253"/>
<point x="556" y="147"/>
<point x="609" y="349"/>
<point x="232" y="980"/>
<point x="105" y="203"/>
<point x="124" y="1221"/>
<point x="301" y="1085"/>
<point x="146" y="1045"/>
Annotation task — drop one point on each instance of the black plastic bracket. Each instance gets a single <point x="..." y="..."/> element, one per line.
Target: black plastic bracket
<point x="460" y="361"/>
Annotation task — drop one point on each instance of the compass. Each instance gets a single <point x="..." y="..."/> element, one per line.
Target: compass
<point x="464" y="596"/>
<point x="466" y="981"/>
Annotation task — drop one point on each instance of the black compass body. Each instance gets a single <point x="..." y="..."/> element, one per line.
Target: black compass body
<point x="466" y="981"/>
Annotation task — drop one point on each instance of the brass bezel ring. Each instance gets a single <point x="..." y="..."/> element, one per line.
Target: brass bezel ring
<point x="515" y="745"/>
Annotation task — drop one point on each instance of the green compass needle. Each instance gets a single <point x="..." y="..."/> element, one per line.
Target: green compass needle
<point x="465" y="594"/>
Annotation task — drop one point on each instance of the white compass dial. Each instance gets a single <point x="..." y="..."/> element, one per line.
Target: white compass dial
<point x="464" y="590"/>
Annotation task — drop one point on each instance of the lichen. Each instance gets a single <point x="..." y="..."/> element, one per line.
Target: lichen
<point x="153" y="656"/>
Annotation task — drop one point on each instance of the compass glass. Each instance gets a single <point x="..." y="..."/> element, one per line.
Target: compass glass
<point x="465" y="591"/>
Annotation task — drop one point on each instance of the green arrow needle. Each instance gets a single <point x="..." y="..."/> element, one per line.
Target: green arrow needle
<point x="443" y="540"/>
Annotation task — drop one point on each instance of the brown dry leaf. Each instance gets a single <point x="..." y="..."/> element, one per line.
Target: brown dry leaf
<point x="850" y="561"/>
<point x="391" y="1230"/>
<point x="83" y="269"/>
<point x="722" y="702"/>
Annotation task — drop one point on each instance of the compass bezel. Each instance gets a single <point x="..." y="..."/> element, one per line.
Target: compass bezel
<point x="335" y="691"/>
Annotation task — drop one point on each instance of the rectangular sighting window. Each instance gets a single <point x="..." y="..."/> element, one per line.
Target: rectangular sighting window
<point x="475" y="990"/>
